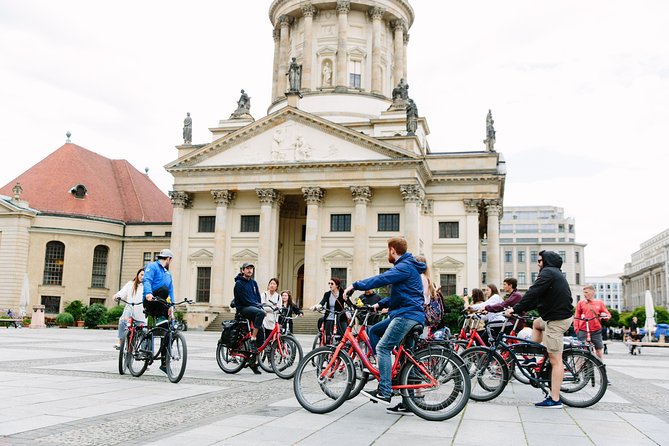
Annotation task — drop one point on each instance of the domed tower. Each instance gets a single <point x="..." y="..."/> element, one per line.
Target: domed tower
<point x="352" y="53"/>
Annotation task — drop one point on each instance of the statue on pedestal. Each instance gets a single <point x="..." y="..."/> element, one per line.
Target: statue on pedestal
<point x="243" y="106"/>
<point x="294" y="76"/>
<point x="188" y="129"/>
<point x="412" y="118"/>
<point x="489" y="141"/>
<point x="401" y="91"/>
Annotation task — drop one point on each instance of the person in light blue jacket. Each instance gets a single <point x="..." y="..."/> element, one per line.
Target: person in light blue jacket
<point x="405" y="309"/>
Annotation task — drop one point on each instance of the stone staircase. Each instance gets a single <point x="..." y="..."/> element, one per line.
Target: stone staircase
<point x="301" y="325"/>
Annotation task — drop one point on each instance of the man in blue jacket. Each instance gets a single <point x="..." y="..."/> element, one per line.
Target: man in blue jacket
<point x="405" y="305"/>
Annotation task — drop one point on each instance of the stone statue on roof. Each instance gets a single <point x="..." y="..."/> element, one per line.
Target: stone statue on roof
<point x="294" y="76"/>
<point x="401" y="91"/>
<point x="243" y="106"/>
<point x="489" y="141"/>
<point x="412" y="118"/>
<point x="188" y="129"/>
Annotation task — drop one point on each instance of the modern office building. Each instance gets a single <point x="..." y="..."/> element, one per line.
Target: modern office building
<point x="527" y="230"/>
<point x="647" y="271"/>
<point x="608" y="289"/>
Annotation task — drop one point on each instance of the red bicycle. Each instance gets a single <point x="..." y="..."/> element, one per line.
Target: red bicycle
<point x="130" y="343"/>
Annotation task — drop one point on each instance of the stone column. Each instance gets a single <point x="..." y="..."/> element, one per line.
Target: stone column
<point x="308" y="11"/>
<point x="376" y="13"/>
<point x="398" y="69"/>
<point x="343" y="6"/>
<point x="284" y="54"/>
<point x="362" y="195"/>
<point x="493" y="209"/>
<point x="472" y="233"/>
<point x="220" y="264"/>
<point x="404" y="55"/>
<point x="276" y="35"/>
<point x="313" y="196"/>
<point x="413" y="196"/>
<point x="179" y="243"/>
<point x="266" y="267"/>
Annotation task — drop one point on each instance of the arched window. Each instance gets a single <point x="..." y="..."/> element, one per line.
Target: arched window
<point x="99" y="277"/>
<point x="54" y="260"/>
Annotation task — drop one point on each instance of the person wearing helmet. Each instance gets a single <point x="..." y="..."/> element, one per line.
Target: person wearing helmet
<point x="159" y="292"/>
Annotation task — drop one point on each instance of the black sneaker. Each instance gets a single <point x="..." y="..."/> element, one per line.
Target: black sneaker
<point x="255" y="369"/>
<point x="376" y="396"/>
<point x="400" y="409"/>
<point x="163" y="369"/>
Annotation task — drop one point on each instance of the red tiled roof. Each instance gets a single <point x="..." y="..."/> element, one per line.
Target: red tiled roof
<point x="115" y="189"/>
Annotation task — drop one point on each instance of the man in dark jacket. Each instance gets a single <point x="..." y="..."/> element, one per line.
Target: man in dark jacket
<point x="405" y="305"/>
<point x="551" y="296"/>
<point x="248" y="304"/>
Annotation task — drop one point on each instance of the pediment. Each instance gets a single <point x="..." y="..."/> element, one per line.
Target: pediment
<point x="448" y="263"/>
<point x="338" y="256"/>
<point x="9" y="207"/>
<point x="245" y="255"/>
<point x="291" y="136"/>
<point x="202" y="254"/>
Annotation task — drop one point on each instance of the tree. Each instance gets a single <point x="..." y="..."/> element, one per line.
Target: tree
<point x="615" y="318"/>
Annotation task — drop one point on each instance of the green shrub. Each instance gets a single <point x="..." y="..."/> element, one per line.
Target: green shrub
<point x="76" y="309"/>
<point x="64" y="319"/>
<point x="26" y="321"/>
<point x="95" y="315"/>
<point x="614" y="321"/>
<point x="453" y="306"/>
<point x="114" y="313"/>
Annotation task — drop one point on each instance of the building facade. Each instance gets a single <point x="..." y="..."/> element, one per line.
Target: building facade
<point x="647" y="271"/>
<point x="315" y="188"/>
<point x="74" y="226"/>
<point x="608" y="289"/>
<point x="527" y="230"/>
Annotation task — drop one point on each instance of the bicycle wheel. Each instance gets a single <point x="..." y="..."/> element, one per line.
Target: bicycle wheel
<point x="138" y="361"/>
<point x="451" y="393"/>
<point x="323" y="387"/>
<point x="460" y="346"/>
<point x="176" y="358"/>
<point x="362" y="376"/>
<point x="487" y="371"/>
<point x="229" y="360"/>
<point x="284" y="360"/>
<point x="585" y="380"/>
<point x="123" y="350"/>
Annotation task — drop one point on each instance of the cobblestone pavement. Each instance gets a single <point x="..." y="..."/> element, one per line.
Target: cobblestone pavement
<point x="62" y="387"/>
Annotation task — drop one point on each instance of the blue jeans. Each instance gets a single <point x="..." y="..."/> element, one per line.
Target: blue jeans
<point x="392" y="332"/>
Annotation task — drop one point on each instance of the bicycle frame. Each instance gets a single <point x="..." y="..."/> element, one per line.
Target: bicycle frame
<point x="400" y="355"/>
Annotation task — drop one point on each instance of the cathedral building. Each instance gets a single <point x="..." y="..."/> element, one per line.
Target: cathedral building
<point x="340" y="163"/>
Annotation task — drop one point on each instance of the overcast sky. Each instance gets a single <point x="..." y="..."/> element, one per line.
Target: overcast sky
<point x="579" y="91"/>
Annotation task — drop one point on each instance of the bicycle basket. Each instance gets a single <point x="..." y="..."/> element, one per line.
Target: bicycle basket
<point x="233" y="332"/>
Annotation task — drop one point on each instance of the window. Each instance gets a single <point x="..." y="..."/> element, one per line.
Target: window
<point x="203" y="284"/>
<point x="79" y="191"/>
<point x="147" y="258"/>
<point x="534" y="257"/>
<point x="54" y="260"/>
<point x="571" y="229"/>
<point x="484" y="276"/>
<point x="389" y="222"/>
<point x="98" y="300"/>
<point x="521" y="278"/>
<point x="534" y="277"/>
<point x="99" y="277"/>
<point x="339" y="273"/>
<point x="506" y="229"/>
<point x="484" y="256"/>
<point x="577" y="257"/>
<point x="206" y="223"/>
<point x="250" y="223"/>
<point x="560" y="228"/>
<point x="168" y="233"/>
<point x="449" y="229"/>
<point x="340" y="222"/>
<point x="447" y="282"/>
<point x="578" y="278"/>
<point x="508" y="256"/>
<point x="508" y="274"/>
<point x="51" y="304"/>
<point x="521" y="256"/>
<point x="148" y="234"/>
<point x="355" y="77"/>
<point x="563" y="254"/>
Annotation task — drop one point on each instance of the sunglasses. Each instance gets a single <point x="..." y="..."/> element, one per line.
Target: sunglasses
<point x="330" y="283"/>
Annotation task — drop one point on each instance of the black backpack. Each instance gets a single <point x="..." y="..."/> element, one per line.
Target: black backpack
<point x="233" y="332"/>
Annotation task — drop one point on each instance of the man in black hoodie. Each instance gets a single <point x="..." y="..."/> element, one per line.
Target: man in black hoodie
<point x="551" y="296"/>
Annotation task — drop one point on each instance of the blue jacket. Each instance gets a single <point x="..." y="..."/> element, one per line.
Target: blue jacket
<point x="247" y="293"/>
<point x="156" y="276"/>
<point x="406" y="294"/>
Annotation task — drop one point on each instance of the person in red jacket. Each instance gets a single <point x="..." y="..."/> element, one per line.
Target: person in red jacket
<point x="588" y="308"/>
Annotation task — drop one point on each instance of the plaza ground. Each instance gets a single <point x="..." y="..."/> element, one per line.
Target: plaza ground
<point x="61" y="386"/>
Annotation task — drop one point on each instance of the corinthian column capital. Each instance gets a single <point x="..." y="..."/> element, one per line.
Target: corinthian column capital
<point x="398" y="23"/>
<point x="313" y="195"/>
<point x="285" y="20"/>
<point x="224" y="197"/>
<point x="180" y="199"/>
<point x="376" y="12"/>
<point x="361" y="194"/>
<point x="308" y="10"/>
<point x="269" y="196"/>
<point x="343" y="6"/>
<point x="472" y="206"/>
<point x="412" y="193"/>
<point x="493" y="207"/>
<point x="276" y="34"/>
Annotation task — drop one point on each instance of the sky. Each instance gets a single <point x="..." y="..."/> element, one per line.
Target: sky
<point x="579" y="91"/>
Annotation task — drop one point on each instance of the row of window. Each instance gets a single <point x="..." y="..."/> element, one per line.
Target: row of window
<point x="534" y="256"/>
<point x="532" y="228"/>
<point x="54" y="263"/>
<point x="338" y="223"/>
<point x="52" y="303"/>
<point x="522" y="279"/>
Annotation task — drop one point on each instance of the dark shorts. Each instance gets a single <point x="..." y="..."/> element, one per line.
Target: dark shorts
<point x="595" y="337"/>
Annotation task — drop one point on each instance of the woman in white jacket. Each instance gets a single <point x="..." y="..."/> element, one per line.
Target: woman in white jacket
<point x="271" y="297"/>
<point x="131" y="292"/>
